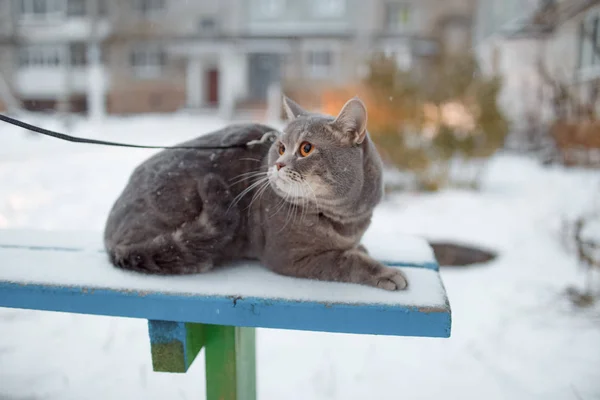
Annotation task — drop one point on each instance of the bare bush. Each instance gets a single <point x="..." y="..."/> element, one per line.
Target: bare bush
<point x="582" y="237"/>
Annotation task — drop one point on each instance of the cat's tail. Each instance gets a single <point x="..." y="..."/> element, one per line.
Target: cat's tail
<point x="193" y="247"/>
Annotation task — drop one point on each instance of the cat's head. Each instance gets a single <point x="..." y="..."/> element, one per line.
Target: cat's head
<point x="325" y="159"/>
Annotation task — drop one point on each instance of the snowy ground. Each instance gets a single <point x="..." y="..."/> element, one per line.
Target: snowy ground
<point x="515" y="336"/>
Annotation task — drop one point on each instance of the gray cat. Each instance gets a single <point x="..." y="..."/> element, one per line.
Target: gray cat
<point x="299" y="204"/>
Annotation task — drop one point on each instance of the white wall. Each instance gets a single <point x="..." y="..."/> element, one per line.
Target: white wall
<point x="233" y="79"/>
<point x="515" y="61"/>
<point x="562" y="50"/>
<point x="44" y="82"/>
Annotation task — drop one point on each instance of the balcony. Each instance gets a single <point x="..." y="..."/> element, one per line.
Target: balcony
<point x="50" y="82"/>
<point x="61" y="29"/>
<point x="287" y="18"/>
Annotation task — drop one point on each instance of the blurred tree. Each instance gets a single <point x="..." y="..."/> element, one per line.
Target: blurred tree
<point x="423" y="124"/>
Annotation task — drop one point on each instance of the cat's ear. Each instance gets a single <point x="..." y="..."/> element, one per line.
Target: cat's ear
<point x="292" y="110"/>
<point x="352" y="120"/>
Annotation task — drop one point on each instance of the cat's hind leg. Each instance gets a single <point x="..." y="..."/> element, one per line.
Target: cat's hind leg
<point x="192" y="247"/>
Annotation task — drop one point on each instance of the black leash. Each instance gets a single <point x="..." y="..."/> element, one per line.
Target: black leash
<point x="75" y="139"/>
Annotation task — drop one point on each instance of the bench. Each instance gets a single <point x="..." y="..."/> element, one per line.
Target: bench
<point x="219" y="310"/>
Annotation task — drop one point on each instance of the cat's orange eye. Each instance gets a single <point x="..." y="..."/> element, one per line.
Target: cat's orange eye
<point x="306" y="148"/>
<point x="281" y="149"/>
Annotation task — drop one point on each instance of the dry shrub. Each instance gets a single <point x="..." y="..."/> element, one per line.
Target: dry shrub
<point x="577" y="134"/>
<point x="422" y="124"/>
<point x="578" y="143"/>
<point x="388" y="124"/>
<point x="585" y="244"/>
<point x="309" y="96"/>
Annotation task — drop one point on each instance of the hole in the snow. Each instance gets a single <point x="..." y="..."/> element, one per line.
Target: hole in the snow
<point x="456" y="255"/>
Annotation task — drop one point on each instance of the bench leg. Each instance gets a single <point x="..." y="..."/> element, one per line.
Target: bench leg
<point x="230" y="362"/>
<point x="230" y="355"/>
<point x="174" y="345"/>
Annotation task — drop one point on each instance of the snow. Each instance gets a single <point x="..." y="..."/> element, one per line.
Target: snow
<point x="515" y="334"/>
<point x="89" y="268"/>
<point x="397" y="248"/>
<point x="591" y="230"/>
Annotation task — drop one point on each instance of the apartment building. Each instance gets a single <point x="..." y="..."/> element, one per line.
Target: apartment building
<point x="328" y="42"/>
<point x="513" y="37"/>
<point x="43" y="51"/>
<point x="166" y="55"/>
<point x="572" y="45"/>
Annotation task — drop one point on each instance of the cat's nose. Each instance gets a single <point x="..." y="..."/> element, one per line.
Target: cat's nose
<point x="279" y="165"/>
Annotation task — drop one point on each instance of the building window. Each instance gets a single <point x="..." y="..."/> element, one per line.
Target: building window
<point x="329" y="8"/>
<point x="207" y="24"/>
<point x="320" y="63"/>
<point x="76" y="8"/>
<point x="102" y="8"/>
<point x="398" y="16"/>
<point x="41" y="10"/>
<point x="78" y="53"/>
<point x="40" y="56"/>
<point x="580" y="39"/>
<point x="594" y="31"/>
<point x="269" y="8"/>
<point x="589" y="42"/>
<point x="148" y="61"/>
<point x="149" y="8"/>
<point x="402" y="57"/>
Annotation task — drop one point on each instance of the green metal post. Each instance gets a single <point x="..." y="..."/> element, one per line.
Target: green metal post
<point x="230" y="362"/>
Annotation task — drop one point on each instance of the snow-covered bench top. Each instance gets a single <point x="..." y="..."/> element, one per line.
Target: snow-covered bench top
<point x="70" y="272"/>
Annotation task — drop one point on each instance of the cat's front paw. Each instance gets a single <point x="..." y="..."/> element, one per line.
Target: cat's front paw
<point x="391" y="279"/>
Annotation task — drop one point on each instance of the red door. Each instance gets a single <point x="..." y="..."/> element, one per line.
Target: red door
<point x="212" y="77"/>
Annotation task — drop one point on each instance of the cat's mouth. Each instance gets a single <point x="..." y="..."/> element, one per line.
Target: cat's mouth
<point x="282" y="186"/>
<point x="293" y="187"/>
<point x="286" y="183"/>
<point x="279" y="180"/>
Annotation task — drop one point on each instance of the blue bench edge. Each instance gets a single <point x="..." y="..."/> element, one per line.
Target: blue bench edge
<point x="379" y="319"/>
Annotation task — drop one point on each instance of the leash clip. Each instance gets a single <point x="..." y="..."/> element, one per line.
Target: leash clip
<point x="267" y="137"/>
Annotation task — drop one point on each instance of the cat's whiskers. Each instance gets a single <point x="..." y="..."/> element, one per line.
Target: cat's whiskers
<point x="239" y="197"/>
<point x="302" y="201"/>
<point x="305" y="203"/>
<point x="297" y="188"/>
<point x="298" y="198"/>
<point x="247" y="175"/>
<point x="288" y="210"/>
<point x="281" y="204"/>
<point x="294" y="204"/>
<point x="250" y="179"/>
<point x="258" y="194"/>
<point x="308" y="200"/>
<point x="291" y="208"/>
<point x="314" y="196"/>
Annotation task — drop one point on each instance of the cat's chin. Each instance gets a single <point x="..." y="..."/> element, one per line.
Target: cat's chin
<point x="281" y="187"/>
<point x="287" y="190"/>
